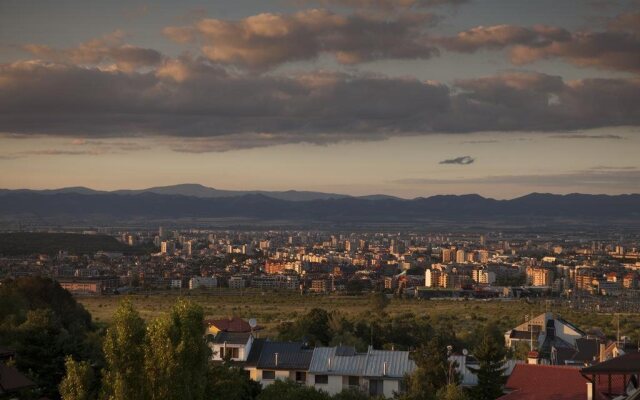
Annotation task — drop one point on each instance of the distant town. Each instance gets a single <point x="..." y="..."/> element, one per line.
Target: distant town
<point x="412" y="265"/>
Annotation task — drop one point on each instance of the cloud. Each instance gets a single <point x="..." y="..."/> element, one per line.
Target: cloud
<point x="107" y="49"/>
<point x="626" y="22"/>
<point x="500" y="36"/>
<point x="584" y="136"/>
<point x="267" y="40"/>
<point x="193" y="98"/>
<point x="627" y="179"/>
<point x="615" y="48"/>
<point x="482" y="141"/>
<point x="81" y="147"/>
<point x="464" y="160"/>
<point x="389" y="4"/>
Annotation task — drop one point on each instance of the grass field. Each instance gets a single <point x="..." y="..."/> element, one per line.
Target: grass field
<point x="271" y="308"/>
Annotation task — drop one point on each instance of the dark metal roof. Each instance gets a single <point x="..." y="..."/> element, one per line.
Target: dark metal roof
<point x="290" y="355"/>
<point x="523" y="335"/>
<point x="588" y="349"/>
<point x="11" y="380"/>
<point x="627" y="363"/>
<point x="232" y="337"/>
<point x="254" y="352"/>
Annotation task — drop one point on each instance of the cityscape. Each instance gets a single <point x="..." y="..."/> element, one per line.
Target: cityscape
<point x="320" y="200"/>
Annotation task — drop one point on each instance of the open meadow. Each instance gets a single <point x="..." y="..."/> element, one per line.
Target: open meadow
<point x="272" y="308"/>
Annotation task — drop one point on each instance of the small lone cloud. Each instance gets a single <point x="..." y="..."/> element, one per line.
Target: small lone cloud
<point x="465" y="160"/>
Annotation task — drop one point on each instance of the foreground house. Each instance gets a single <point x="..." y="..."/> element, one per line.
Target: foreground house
<point x="377" y="372"/>
<point x="617" y="378"/>
<point x="269" y="361"/>
<point x="545" y="382"/>
<point x="232" y="346"/>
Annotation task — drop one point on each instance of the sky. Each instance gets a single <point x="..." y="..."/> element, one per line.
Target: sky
<point x="401" y="97"/>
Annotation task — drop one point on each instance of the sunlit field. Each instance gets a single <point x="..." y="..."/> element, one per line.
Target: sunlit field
<point x="271" y="308"/>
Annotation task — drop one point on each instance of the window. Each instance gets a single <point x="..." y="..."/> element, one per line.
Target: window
<point x="301" y="376"/>
<point x="230" y="352"/>
<point x="322" y="379"/>
<point x="376" y="387"/>
<point x="268" y="375"/>
<point x="354" y="381"/>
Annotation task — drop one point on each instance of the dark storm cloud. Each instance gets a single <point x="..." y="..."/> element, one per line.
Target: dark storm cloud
<point x="266" y="40"/>
<point x="183" y="98"/>
<point x="464" y="160"/>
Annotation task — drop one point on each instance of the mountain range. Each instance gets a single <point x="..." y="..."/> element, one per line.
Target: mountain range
<point x="196" y="201"/>
<point x="195" y="190"/>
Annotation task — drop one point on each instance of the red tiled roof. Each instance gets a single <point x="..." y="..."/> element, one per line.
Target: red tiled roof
<point x="234" y="324"/>
<point x="545" y="382"/>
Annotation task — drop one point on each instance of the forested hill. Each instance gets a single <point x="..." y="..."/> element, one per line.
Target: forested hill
<point x="26" y="243"/>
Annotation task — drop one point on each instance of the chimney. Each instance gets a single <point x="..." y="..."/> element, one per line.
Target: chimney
<point x="532" y="357"/>
<point x="589" y="391"/>
<point x="601" y="356"/>
<point x="385" y="368"/>
<point x="276" y="359"/>
<point x="329" y="364"/>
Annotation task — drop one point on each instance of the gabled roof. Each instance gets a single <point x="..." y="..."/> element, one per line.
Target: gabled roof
<point x="11" y="380"/>
<point x="232" y="337"/>
<point x="627" y="363"/>
<point x="345" y="361"/>
<point x="291" y="356"/>
<point x="234" y="324"/>
<point x="544" y="382"/>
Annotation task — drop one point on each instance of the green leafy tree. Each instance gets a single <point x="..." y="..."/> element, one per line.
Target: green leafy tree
<point x="452" y="392"/>
<point x="77" y="384"/>
<point x="124" y="355"/>
<point x="231" y="383"/>
<point x="160" y="365"/>
<point x="353" y="394"/>
<point x="176" y="355"/>
<point x="43" y="323"/>
<point x="289" y="390"/>
<point x="490" y="353"/>
<point x="314" y="327"/>
<point x="433" y="370"/>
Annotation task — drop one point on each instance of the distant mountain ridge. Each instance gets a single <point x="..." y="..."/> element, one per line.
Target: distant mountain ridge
<point x="194" y="190"/>
<point x="124" y="205"/>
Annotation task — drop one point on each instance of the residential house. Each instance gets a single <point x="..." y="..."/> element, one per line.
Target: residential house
<point x="268" y="361"/>
<point x="377" y="372"/>
<point x="233" y="346"/>
<point x="545" y="382"/>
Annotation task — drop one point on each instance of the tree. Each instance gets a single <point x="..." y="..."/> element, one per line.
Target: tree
<point x="490" y="353"/>
<point x="352" y="394"/>
<point x="289" y="390"/>
<point x="43" y="323"/>
<point x="176" y="355"/>
<point x="231" y="383"/>
<point x="452" y="392"/>
<point x="432" y="372"/>
<point x="124" y="355"/>
<point x="77" y="383"/>
<point x="314" y="327"/>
